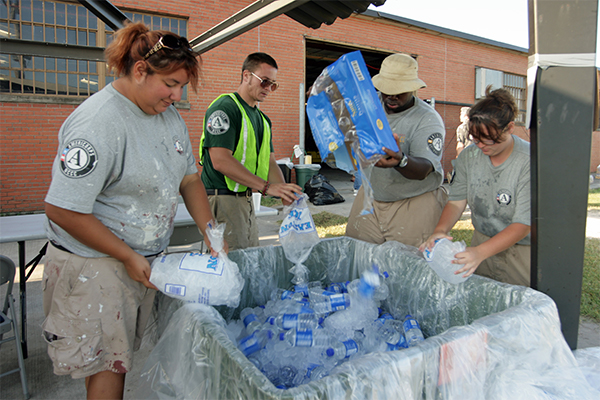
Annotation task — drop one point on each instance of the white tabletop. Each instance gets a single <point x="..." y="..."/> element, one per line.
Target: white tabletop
<point x="18" y="228"/>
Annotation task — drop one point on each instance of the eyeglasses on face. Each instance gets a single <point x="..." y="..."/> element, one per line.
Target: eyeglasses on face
<point x="485" y="142"/>
<point x="169" y="42"/>
<point x="266" y="83"/>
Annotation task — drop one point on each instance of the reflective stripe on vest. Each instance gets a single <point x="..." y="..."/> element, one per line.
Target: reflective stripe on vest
<point x="245" y="151"/>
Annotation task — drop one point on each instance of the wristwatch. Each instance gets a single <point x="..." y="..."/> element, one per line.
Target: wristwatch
<point x="403" y="161"/>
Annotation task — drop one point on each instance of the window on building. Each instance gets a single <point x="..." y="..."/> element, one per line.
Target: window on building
<point x="515" y="84"/>
<point x="65" y="23"/>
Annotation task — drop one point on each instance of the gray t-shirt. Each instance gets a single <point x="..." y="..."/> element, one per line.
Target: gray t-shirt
<point x="421" y="131"/>
<point x="498" y="196"/>
<point x="123" y="166"/>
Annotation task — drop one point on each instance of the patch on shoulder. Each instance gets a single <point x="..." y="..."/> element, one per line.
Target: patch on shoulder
<point x="435" y="143"/>
<point x="217" y="123"/>
<point x="503" y="197"/>
<point x="78" y="158"/>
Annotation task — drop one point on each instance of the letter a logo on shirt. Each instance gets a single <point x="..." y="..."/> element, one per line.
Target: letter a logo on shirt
<point x="78" y="158"/>
<point x="503" y="198"/>
<point x="217" y="123"/>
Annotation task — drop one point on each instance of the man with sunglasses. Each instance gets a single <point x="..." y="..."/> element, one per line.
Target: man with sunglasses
<point x="407" y="186"/>
<point x="236" y="152"/>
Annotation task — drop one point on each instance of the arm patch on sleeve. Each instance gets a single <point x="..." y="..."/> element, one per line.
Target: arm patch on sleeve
<point x="435" y="143"/>
<point x="218" y="123"/>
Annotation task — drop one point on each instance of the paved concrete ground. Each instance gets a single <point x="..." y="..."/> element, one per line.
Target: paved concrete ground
<point x="43" y="384"/>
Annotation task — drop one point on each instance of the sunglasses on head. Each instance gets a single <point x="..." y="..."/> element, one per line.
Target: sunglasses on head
<point x="266" y="83"/>
<point x="169" y="42"/>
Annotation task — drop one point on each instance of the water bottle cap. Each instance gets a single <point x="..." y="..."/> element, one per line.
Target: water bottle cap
<point x="408" y="316"/>
<point x="330" y="352"/>
<point x="321" y="319"/>
<point x="385" y="273"/>
<point x="282" y="336"/>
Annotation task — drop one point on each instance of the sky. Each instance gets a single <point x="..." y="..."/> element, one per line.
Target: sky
<point x="505" y="21"/>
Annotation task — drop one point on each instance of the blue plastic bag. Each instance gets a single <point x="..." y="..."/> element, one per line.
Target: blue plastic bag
<point x="344" y="106"/>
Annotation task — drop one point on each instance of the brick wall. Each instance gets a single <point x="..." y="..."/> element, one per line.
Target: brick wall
<point x="447" y="65"/>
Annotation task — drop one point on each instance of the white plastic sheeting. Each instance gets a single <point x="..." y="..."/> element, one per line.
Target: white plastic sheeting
<point x="484" y="339"/>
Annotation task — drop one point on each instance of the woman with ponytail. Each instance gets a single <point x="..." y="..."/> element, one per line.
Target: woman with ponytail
<point x="492" y="177"/>
<point x="124" y="156"/>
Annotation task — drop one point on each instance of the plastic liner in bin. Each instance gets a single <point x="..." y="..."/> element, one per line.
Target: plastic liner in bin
<point x="484" y="339"/>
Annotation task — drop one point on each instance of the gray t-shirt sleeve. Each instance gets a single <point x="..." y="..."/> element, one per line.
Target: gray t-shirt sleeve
<point x="84" y="166"/>
<point x="458" y="183"/>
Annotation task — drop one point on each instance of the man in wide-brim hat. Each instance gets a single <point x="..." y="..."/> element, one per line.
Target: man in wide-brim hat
<point x="407" y="185"/>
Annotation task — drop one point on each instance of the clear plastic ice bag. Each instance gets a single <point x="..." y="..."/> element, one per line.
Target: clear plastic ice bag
<point x="298" y="235"/>
<point x="200" y="278"/>
<point x="440" y="257"/>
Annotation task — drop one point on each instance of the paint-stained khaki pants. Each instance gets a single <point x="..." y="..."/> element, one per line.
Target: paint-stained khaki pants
<point x="95" y="314"/>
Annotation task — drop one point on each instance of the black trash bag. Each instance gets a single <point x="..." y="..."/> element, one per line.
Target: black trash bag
<point x="320" y="192"/>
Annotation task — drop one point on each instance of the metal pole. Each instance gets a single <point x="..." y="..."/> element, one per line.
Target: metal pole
<point x="563" y="42"/>
<point x="302" y="115"/>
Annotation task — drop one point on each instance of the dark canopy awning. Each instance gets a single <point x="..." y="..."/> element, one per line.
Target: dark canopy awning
<point x="311" y="14"/>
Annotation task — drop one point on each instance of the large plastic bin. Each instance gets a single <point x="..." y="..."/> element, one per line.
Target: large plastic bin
<point x="484" y="339"/>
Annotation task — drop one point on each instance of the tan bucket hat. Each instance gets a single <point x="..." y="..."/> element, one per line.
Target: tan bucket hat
<point x="398" y="74"/>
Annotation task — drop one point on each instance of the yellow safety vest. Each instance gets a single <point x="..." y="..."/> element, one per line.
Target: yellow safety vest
<point x="245" y="151"/>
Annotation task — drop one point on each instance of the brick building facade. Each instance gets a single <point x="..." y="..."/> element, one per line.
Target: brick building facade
<point x="448" y="61"/>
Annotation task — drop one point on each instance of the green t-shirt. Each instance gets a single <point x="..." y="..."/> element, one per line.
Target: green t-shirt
<point x="222" y="128"/>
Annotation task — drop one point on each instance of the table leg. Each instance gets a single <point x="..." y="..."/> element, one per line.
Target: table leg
<point x="23" y="297"/>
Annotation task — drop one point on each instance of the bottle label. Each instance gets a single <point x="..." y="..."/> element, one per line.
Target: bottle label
<point x="338" y="302"/>
<point x="288" y="294"/>
<point x="351" y="347"/>
<point x="402" y="342"/>
<point x="304" y="338"/>
<point x="249" y="345"/>
<point x="335" y="287"/>
<point x="302" y="289"/>
<point x="289" y="321"/>
<point x="410" y="324"/>
<point x="249" y="318"/>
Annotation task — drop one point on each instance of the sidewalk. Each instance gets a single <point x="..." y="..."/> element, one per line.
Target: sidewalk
<point x="43" y="384"/>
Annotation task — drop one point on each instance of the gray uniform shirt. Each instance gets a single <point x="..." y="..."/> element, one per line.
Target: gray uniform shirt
<point x="421" y="131"/>
<point x="498" y="196"/>
<point x="124" y="167"/>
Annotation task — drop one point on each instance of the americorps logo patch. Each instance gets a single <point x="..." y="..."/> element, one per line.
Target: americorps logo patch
<point x="435" y="143"/>
<point x="503" y="197"/>
<point x="78" y="159"/>
<point x="217" y="123"/>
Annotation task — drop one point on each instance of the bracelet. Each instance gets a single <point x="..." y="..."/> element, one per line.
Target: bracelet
<point x="264" y="191"/>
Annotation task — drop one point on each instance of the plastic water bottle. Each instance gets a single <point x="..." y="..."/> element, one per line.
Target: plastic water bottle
<point x="316" y="338"/>
<point x="299" y="321"/>
<point x="256" y="341"/>
<point x="316" y="371"/>
<point x="251" y="321"/>
<point x="440" y="259"/>
<point x="327" y="304"/>
<point x="282" y="294"/>
<point x="340" y="350"/>
<point x="389" y="330"/>
<point x="338" y="287"/>
<point x="412" y="331"/>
